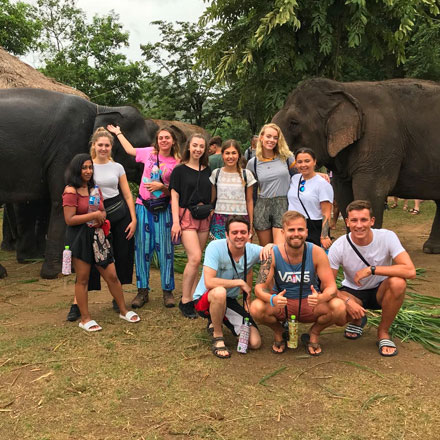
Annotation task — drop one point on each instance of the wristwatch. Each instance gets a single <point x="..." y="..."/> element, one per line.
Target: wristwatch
<point x="373" y="270"/>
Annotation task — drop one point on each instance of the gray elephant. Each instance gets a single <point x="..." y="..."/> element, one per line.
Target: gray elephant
<point x="378" y="138"/>
<point x="40" y="132"/>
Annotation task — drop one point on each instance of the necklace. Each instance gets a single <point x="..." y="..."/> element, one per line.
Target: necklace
<point x="287" y="255"/>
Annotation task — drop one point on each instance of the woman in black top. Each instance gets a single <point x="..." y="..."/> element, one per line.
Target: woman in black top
<point x="190" y="185"/>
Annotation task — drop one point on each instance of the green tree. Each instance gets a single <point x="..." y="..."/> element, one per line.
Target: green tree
<point x="271" y="45"/>
<point x="177" y="87"/>
<point x="87" y="55"/>
<point x="19" y="30"/>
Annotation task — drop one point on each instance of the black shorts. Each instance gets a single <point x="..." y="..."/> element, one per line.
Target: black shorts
<point x="367" y="296"/>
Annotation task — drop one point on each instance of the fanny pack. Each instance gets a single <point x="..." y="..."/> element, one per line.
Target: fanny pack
<point x="156" y="205"/>
<point x="201" y="210"/>
<point x="115" y="208"/>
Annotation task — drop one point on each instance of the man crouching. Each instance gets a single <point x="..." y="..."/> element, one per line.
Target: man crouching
<point x="287" y="285"/>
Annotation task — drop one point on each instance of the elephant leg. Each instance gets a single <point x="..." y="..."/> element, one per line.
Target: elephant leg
<point x="375" y="190"/>
<point x="9" y="228"/>
<point x="25" y="216"/>
<point x="343" y="193"/>
<point x="54" y="242"/>
<point x="41" y="227"/>
<point x="432" y="245"/>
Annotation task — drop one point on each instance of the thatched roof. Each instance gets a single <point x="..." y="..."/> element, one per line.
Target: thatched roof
<point x="182" y="129"/>
<point x="14" y="73"/>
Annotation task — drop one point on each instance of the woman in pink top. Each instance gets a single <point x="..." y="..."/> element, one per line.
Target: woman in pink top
<point x="87" y="242"/>
<point x="153" y="231"/>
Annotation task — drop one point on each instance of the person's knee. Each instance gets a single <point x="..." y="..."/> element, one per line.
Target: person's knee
<point x="82" y="280"/>
<point x="194" y="259"/>
<point x="397" y="286"/>
<point x="257" y="309"/>
<point x="217" y="295"/>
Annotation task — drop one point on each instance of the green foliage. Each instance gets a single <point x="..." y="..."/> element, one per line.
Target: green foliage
<point x="19" y="30"/>
<point x="177" y="87"/>
<point x="87" y="55"/>
<point x="269" y="46"/>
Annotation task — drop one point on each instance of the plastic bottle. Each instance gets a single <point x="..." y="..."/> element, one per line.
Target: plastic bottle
<point x="243" y="339"/>
<point x="94" y="200"/>
<point x="67" y="261"/>
<point x="293" y="333"/>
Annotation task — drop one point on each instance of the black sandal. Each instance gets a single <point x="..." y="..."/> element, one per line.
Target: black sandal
<point x="279" y="344"/>
<point x="215" y="348"/>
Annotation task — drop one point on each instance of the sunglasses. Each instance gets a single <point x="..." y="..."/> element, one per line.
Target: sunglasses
<point x="302" y="184"/>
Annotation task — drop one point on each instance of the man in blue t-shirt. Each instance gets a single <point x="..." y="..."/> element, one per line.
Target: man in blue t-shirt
<point x="279" y="282"/>
<point x="227" y="271"/>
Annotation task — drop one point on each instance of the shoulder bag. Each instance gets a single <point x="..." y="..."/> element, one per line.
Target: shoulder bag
<point x="200" y="211"/>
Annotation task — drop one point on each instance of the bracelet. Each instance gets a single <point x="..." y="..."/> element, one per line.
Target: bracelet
<point x="271" y="300"/>
<point x="117" y="134"/>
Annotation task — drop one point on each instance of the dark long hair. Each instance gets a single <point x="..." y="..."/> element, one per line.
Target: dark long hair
<point x="72" y="175"/>
<point x="203" y="158"/>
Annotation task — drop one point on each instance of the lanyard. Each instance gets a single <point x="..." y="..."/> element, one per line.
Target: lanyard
<point x="244" y="272"/>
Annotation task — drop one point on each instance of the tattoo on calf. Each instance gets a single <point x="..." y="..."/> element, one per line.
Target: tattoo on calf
<point x="264" y="270"/>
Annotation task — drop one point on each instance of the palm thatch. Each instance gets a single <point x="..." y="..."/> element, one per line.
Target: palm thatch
<point x="15" y="73"/>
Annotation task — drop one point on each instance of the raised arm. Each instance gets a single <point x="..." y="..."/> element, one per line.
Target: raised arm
<point x="116" y="130"/>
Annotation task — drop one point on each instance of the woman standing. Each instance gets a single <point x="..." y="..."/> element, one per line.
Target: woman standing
<point x="311" y="195"/>
<point x="232" y="189"/>
<point x="190" y="186"/>
<point x="110" y="176"/>
<point x="153" y="212"/>
<point x="88" y="243"/>
<point x="272" y="166"/>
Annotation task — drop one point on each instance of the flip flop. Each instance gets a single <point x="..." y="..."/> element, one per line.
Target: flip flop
<point x="279" y="344"/>
<point x="305" y="339"/>
<point x="386" y="343"/>
<point x="354" y="328"/>
<point x="130" y="314"/>
<point x="88" y="326"/>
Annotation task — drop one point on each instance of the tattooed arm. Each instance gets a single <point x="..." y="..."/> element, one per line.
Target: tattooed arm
<point x="326" y="209"/>
<point x="264" y="284"/>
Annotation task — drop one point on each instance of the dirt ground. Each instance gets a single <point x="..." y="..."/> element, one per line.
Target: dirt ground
<point x="158" y="379"/>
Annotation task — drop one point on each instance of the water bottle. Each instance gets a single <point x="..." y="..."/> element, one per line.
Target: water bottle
<point x="293" y="333"/>
<point x="243" y="339"/>
<point x="94" y="200"/>
<point x="155" y="177"/>
<point x="67" y="261"/>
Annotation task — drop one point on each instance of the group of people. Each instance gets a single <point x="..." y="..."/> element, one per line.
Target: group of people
<point x="184" y="198"/>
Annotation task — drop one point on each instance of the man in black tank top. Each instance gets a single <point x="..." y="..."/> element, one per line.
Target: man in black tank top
<point x="286" y="286"/>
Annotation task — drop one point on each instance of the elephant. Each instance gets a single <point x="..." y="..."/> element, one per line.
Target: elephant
<point x="378" y="138"/>
<point x="40" y="132"/>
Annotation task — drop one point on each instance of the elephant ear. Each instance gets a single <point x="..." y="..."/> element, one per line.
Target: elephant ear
<point x="344" y="124"/>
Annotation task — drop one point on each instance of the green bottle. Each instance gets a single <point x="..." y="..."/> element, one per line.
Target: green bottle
<point x="293" y="333"/>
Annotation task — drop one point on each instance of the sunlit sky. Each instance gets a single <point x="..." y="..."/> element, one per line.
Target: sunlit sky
<point x="136" y="16"/>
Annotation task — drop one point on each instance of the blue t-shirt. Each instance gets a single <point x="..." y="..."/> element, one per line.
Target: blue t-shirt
<point x="217" y="258"/>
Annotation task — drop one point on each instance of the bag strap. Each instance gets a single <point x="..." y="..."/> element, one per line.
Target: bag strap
<point x="300" y="201"/>
<point x="157" y="163"/>
<point x="357" y="252"/>
<point x="245" y="271"/>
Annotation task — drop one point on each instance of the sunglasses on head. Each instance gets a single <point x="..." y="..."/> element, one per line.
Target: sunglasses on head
<point x="302" y="184"/>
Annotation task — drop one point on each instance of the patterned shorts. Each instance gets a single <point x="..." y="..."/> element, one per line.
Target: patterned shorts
<point x="268" y="212"/>
<point x="217" y="227"/>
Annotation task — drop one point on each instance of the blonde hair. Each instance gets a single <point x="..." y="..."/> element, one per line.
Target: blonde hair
<point x="98" y="133"/>
<point x="291" y="215"/>
<point x="281" y="150"/>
